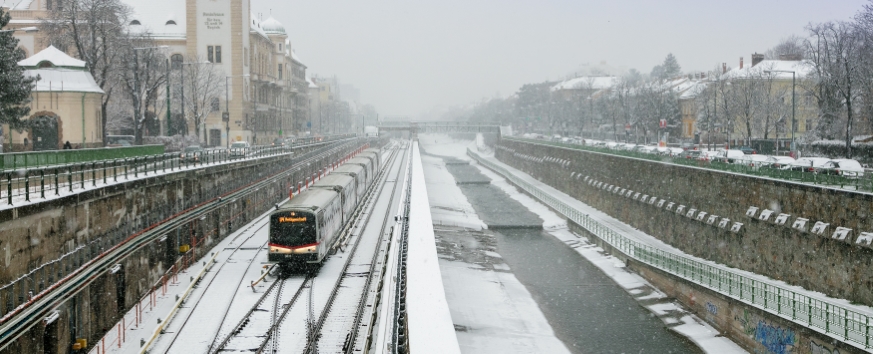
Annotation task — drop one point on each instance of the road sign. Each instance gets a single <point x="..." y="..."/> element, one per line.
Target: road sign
<point x="663" y="123"/>
<point x="225" y="117"/>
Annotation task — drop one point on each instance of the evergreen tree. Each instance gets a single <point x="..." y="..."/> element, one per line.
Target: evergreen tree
<point x="671" y="67"/>
<point x="14" y="86"/>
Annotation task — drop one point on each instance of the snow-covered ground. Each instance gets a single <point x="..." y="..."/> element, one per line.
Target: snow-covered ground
<point x="492" y="311"/>
<point x="681" y="321"/>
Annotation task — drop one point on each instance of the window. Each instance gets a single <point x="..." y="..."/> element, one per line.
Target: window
<point x="213" y="54"/>
<point x="170" y="22"/>
<point x="280" y="71"/>
<point x="216" y="106"/>
<point x="176" y="61"/>
<point x="135" y="23"/>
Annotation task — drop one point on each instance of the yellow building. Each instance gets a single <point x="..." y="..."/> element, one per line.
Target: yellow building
<point x="66" y="102"/>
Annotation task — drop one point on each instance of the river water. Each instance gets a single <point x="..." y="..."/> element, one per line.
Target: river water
<point x="587" y="310"/>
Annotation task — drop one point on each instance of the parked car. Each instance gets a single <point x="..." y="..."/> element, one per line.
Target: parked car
<point x="708" y="155"/>
<point x="807" y="164"/>
<point x="728" y="156"/>
<point x="841" y="167"/>
<point x="191" y="153"/>
<point x="753" y="161"/>
<point x="239" y="149"/>
<point x="747" y="150"/>
<point x="674" y="151"/>
<point x="691" y="154"/>
<point x="778" y="161"/>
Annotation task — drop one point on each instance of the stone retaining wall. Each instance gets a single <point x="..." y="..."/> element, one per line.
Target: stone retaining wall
<point x="838" y="268"/>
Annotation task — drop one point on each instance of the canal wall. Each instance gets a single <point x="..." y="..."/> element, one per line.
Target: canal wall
<point x="43" y="242"/>
<point x="616" y="185"/>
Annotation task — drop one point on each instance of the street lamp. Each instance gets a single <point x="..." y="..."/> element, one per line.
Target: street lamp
<point x="226" y="116"/>
<point x="23" y="29"/>
<point x="793" y="105"/>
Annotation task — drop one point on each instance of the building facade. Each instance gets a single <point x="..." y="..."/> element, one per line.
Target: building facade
<point x="265" y="91"/>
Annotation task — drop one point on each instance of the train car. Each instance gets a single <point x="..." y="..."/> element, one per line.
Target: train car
<point x="367" y="164"/>
<point x="373" y="158"/>
<point x="378" y="153"/>
<point x="303" y="228"/>
<point x="346" y="187"/>
<point x="356" y="172"/>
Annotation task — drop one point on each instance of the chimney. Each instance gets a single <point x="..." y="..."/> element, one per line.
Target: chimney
<point x="757" y="58"/>
<point x="741" y="62"/>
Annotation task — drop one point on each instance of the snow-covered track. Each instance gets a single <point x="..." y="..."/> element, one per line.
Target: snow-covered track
<point x="337" y="326"/>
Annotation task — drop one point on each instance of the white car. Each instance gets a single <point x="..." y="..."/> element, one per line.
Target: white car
<point x="754" y="160"/>
<point x="728" y="156"/>
<point x="239" y="149"/>
<point x="779" y="161"/>
<point x="841" y="167"/>
<point x="807" y="164"/>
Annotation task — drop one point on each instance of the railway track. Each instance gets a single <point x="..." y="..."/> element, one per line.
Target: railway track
<point x="262" y="327"/>
<point x="336" y="328"/>
<point x="27" y="315"/>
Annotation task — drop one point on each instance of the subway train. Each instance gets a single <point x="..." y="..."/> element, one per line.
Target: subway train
<point x="304" y="229"/>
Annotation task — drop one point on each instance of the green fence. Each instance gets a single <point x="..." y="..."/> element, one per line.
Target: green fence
<point x="828" y="317"/>
<point x="12" y="161"/>
<point x="864" y="183"/>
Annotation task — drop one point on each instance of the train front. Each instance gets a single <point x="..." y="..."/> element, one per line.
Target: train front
<point x="293" y="236"/>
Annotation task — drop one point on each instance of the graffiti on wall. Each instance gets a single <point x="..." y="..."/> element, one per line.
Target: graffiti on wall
<point x="776" y="339"/>
<point x="711" y="308"/>
<point x="815" y="348"/>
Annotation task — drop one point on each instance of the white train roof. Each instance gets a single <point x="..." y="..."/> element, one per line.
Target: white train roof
<point x="349" y="168"/>
<point x="334" y="180"/>
<point x="360" y="160"/>
<point x="311" y="199"/>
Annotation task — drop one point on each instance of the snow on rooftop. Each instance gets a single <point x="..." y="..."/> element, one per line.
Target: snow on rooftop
<point x="63" y="80"/>
<point x="163" y="18"/>
<point x="587" y="82"/>
<point x="256" y="26"/>
<point x="802" y="68"/>
<point x="54" y="56"/>
<point x="17" y="4"/>
<point x="272" y="26"/>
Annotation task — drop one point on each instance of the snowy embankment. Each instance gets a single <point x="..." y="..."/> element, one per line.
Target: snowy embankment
<point x="492" y="311"/>
<point x="430" y="321"/>
<point x="688" y="324"/>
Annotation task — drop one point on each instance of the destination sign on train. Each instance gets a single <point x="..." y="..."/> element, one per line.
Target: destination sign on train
<point x="292" y="219"/>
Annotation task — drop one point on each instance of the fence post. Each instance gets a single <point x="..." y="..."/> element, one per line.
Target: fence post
<point x="94" y="174"/>
<point x="42" y="184"/>
<point x="135" y="167"/>
<point x="27" y="185"/>
<point x="125" y="168"/>
<point x="70" y="177"/>
<point x="104" y="172"/>
<point x="57" y="185"/>
<point x="82" y="175"/>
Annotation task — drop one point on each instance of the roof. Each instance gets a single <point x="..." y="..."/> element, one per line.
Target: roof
<point x="311" y="199"/>
<point x="777" y="68"/>
<point x="162" y="18"/>
<point x="347" y="168"/>
<point x="272" y="26"/>
<point x="587" y="82"/>
<point x="256" y="27"/>
<point x="63" y="80"/>
<point x="333" y="180"/>
<point x="361" y="160"/>
<point x="312" y="84"/>
<point x="54" y="56"/>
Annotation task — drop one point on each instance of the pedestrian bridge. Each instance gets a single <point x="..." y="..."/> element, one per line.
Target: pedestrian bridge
<point x="440" y="127"/>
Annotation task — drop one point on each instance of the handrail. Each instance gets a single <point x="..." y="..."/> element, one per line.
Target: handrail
<point x="824" y="316"/>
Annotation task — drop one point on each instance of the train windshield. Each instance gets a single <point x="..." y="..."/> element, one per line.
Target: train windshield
<point x="292" y="229"/>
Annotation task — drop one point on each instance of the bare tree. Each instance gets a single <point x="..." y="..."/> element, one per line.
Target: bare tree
<point x="835" y="49"/>
<point x="95" y="31"/>
<point x="791" y="47"/>
<point x="142" y="73"/>
<point x="204" y="86"/>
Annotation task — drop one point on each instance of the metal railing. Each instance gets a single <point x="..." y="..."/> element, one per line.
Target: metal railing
<point x="863" y="183"/>
<point x="828" y="317"/>
<point x="19" y="160"/>
<point x="30" y="184"/>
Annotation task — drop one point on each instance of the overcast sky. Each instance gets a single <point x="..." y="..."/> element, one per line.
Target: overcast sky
<point x="407" y="57"/>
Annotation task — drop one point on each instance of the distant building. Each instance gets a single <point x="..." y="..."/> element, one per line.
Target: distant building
<point x="66" y="103"/>
<point x="266" y="83"/>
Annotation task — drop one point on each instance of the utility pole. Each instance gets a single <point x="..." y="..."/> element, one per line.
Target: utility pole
<point x="169" y="130"/>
